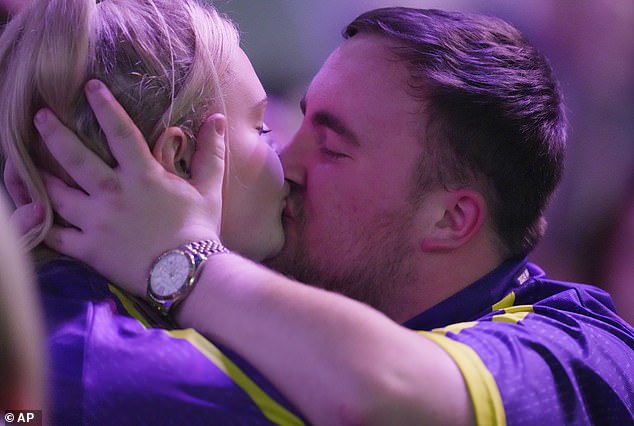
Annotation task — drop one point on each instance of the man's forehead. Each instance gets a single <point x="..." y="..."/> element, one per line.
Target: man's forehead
<point x="362" y="69"/>
<point x="367" y="92"/>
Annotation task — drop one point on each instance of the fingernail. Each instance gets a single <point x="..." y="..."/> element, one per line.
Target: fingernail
<point x="40" y="118"/>
<point x="219" y="126"/>
<point x="93" y="85"/>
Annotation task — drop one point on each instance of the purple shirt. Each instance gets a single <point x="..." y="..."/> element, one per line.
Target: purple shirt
<point x="537" y="351"/>
<point x="531" y="351"/>
<point x="114" y="362"/>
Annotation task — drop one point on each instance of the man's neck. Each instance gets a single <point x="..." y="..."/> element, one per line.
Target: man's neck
<point x="440" y="276"/>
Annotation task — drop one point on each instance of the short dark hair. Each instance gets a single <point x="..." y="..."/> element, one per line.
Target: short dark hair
<point x="495" y="112"/>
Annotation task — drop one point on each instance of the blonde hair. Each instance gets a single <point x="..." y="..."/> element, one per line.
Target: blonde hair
<point x="165" y="61"/>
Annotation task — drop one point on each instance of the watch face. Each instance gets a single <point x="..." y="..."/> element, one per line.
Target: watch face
<point x="170" y="274"/>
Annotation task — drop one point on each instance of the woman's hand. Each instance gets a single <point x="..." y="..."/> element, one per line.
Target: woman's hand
<point x="124" y="217"/>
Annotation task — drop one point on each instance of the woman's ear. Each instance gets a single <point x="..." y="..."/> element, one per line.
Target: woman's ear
<point x="460" y="216"/>
<point x="174" y="150"/>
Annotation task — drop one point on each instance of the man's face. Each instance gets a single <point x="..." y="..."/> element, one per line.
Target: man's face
<point x="349" y="216"/>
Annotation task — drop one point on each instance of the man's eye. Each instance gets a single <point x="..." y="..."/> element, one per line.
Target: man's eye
<point x="332" y="154"/>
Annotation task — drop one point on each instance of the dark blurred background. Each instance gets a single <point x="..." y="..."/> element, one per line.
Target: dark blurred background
<point x="590" y="44"/>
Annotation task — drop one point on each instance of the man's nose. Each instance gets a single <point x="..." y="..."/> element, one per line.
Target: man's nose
<point x="294" y="157"/>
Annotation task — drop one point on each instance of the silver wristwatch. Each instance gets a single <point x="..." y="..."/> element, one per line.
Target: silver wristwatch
<point x="174" y="273"/>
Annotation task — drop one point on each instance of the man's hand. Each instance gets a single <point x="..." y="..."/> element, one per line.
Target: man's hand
<point x="124" y="217"/>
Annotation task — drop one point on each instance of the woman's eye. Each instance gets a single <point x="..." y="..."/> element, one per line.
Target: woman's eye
<point x="263" y="129"/>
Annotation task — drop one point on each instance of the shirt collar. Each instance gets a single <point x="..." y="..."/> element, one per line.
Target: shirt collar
<point x="474" y="300"/>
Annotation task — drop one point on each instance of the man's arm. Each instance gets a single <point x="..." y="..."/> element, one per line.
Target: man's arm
<point x="339" y="361"/>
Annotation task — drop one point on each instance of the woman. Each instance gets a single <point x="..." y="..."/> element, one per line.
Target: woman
<point x="173" y="66"/>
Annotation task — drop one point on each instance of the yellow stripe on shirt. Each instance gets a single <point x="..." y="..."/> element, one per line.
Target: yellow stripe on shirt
<point x="506" y="302"/>
<point x="271" y="409"/>
<point x="514" y="314"/>
<point x="483" y="390"/>
<point x="129" y="306"/>
<point x="484" y="393"/>
<point x="455" y="328"/>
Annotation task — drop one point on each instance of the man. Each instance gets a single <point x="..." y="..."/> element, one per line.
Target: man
<point x="430" y="146"/>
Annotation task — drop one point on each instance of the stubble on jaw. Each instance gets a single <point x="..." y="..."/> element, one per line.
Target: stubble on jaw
<point x="372" y="268"/>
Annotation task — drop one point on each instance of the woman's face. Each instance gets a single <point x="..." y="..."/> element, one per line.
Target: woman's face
<point x="254" y="190"/>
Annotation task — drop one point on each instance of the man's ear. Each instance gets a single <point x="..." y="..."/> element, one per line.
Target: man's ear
<point x="174" y="150"/>
<point x="459" y="216"/>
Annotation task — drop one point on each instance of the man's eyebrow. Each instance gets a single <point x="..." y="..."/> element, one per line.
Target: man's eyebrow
<point x="332" y="122"/>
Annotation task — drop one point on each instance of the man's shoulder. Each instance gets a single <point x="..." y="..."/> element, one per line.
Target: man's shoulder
<point x="560" y="343"/>
<point x="562" y="317"/>
<point x="587" y="303"/>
